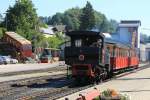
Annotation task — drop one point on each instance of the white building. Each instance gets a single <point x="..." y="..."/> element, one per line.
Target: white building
<point x="143" y="55"/>
<point x="47" y="32"/>
<point x="129" y="32"/>
<point x="51" y="30"/>
<point x="148" y="51"/>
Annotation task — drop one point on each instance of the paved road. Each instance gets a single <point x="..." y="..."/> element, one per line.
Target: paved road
<point x="135" y="85"/>
<point x="25" y="67"/>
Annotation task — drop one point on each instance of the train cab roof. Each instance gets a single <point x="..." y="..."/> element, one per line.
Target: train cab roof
<point x="84" y="33"/>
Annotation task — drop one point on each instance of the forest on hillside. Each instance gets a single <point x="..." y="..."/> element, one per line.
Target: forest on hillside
<point x="23" y="19"/>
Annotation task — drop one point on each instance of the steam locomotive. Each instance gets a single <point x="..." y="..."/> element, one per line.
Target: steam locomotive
<point x="92" y="58"/>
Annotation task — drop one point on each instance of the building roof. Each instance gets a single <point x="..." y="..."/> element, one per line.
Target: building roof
<point x="59" y="28"/>
<point x="115" y="39"/>
<point x="48" y="30"/>
<point x="130" y="23"/>
<point x="84" y="33"/>
<point x="18" y="37"/>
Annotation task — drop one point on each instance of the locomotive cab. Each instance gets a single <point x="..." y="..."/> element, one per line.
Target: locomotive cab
<point x="85" y="54"/>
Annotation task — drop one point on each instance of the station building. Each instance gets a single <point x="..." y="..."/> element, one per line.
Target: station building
<point x="147" y="52"/>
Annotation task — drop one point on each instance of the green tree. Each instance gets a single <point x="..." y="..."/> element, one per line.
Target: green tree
<point x="84" y="19"/>
<point x="104" y="27"/>
<point x="1" y="18"/>
<point x="70" y="18"/>
<point x="98" y="19"/>
<point x="2" y="30"/>
<point x="22" y="18"/>
<point x="113" y="24"/>
<point x="57" y="19"/>
<point x="107" y="26"/>
<point x="54" y="42"/>
<point x="68" y="22"/>
<point x="87" y="18"/>
<point x="72" y="15"/>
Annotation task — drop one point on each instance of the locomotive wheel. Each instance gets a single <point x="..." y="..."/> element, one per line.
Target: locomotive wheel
<point x="77" y="81"/>
<point x="100" y="74"/>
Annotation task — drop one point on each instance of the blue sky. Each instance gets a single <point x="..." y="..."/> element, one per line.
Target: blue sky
<point x="113" y="9"/>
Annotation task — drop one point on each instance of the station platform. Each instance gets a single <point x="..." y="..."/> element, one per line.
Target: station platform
<point x="136" y="85"/>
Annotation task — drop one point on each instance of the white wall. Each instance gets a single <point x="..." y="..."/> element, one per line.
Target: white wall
<point x="139" y="32"/>
<point x="143" y="56"/>
<point x="124" y="35"/>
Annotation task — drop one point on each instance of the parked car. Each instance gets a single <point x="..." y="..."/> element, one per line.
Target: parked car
<point x="6" y="59"/>
<point x="13" y="61"/>
<point x="1" y="60"/>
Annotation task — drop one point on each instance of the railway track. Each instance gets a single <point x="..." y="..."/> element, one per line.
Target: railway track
<point x="19" y="89"/>
<point x="44" y="88"/>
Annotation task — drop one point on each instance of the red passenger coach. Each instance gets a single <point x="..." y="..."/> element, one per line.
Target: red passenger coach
<point x="122" y="56"/>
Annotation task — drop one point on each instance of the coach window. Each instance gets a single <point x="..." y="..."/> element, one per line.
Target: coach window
<point x="124" y="53"/>
<point x="134" y="54"/>
<point x="112" y="52"/>
<point x="120" y="53"/>
<point x="127" y="53"/>
<point x="117" y="52"/>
